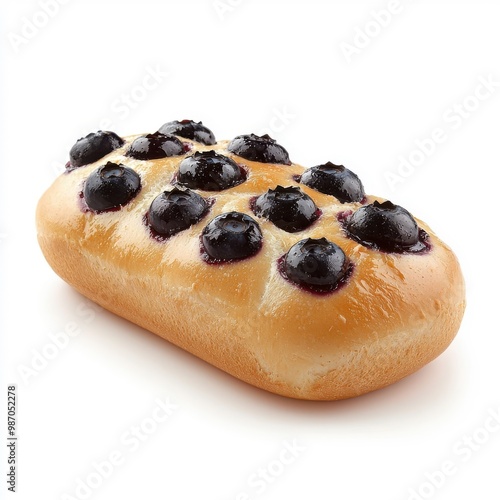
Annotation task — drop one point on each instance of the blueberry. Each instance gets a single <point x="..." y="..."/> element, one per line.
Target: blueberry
<point x="111" y="186"/>
<point x="154" y="146"/>
<point x="93" y="147"/>
<point x="384" y="226"/>
<point x="317" y="264"/>
<point x="255" y="148"/>
<point x="175" y="210"/>
<point x="209" y="171"/>
<point x="190" y="130"/>
<point x="287" y="208"/>
<point x="335" y="180"/>
<point x="231" y="236"/>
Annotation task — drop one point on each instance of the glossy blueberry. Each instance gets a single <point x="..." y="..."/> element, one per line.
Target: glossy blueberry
<point x="154" y="146"/>
<point x="231" y="236"/>
<point x="287" y="208"/>
<point x="93" y="147"/>
<point x="190" y="130"/>
<point x="175" y="210"/>
<point x="335" y="180"/>
<point x="317" y="264"/>
<point x="111" y="186"/>
<point x="384" y="226"/>
<point x="209" y="171"/>
<point x="255" y="148"/>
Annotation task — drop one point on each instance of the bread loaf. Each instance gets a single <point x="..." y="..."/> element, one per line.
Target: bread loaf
<point x="291" y="279"/>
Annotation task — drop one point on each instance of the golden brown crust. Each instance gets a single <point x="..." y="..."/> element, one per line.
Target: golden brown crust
<point x="395" y="314"/>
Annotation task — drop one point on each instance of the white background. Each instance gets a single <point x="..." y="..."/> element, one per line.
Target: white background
<point x="241" y="70"/>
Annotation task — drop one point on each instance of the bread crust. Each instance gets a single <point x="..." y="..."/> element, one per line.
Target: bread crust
<point x="396" y="313"/>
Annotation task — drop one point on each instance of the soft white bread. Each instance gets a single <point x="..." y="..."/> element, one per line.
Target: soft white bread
<point x="396" y="312"/>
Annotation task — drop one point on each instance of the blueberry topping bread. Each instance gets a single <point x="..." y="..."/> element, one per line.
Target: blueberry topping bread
<point x="292" y="279"/>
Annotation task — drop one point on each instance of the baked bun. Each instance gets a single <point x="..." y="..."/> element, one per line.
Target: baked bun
<point x="291" y="279"/>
